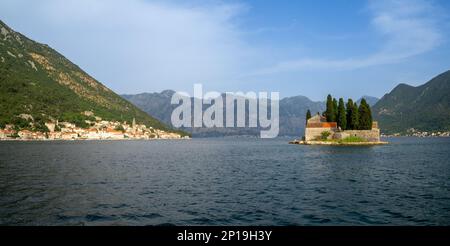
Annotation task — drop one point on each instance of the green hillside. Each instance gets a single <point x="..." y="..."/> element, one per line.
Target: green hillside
<point x="424" y="108"/>
<point x="38" y="81"/>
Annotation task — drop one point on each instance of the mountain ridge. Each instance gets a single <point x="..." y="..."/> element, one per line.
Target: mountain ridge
<point x="395" y="111"/>
<point x="416" y="108"/>
<point x="292" y="114"/>
<point x="37" y="80"/>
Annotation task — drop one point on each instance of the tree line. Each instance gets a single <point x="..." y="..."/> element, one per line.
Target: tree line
<point x="348" y="116"/>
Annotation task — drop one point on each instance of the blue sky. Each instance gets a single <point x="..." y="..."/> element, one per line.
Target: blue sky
<point x="312" y="48"/>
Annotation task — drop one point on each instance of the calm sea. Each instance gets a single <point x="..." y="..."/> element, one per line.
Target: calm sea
<point x="235" y="181"/>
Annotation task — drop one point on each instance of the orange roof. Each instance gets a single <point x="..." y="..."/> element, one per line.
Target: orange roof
<point x="329" y="124"/>
<point x="322" y="125"/>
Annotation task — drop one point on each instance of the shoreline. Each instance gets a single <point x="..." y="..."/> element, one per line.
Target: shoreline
<point x="87" y="140"/>
<point x="408" y="136"/>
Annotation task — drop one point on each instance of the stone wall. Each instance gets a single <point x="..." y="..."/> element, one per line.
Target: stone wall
<point x="312" y="133"/>
<point x="370" y="135"/>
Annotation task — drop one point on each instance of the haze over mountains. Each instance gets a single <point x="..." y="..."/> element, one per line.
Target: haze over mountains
<point x="42" y="85"/>
<point x="292" y="113"/>
<point x="369" y="99"/>
<point x="424" y="108"/>
<point x="39" y="82"/>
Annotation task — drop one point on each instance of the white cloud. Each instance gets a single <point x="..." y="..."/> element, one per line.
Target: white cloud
<point x="138" y="45"/>
<point x="407" y="28"/>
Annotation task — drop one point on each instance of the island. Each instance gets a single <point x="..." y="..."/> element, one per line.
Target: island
<point x="341" y="124"/>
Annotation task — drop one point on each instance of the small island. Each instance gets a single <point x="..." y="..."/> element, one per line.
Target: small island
<point x="341" y="124"/>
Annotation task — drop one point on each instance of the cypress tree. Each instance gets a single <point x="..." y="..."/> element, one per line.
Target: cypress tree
<point x="362" y="116"/>
<point x="365" y="116"/>
<point x="342" y="117"/>
<point x="308" y="115"/>
<point x="335" y="109"/>
<point x="355" y="117"/>
<point x="329" y="113"/>
<point x="349" y="114"/>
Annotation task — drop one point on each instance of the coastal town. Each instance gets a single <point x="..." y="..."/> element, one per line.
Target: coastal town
<point x="97" y="130"/>
<point x="417" y="133"/>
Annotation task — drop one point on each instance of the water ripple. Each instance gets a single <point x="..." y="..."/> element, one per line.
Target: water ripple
<point x="224" y="182"/>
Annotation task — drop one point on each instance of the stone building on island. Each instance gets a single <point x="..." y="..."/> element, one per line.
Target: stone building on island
<point x="317" y="125"/>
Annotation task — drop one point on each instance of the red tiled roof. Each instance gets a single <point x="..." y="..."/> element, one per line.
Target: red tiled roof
<point x="322" y="125"/>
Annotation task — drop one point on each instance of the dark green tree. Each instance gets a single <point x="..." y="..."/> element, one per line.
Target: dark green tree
<point x="355" y="117"/>
<point x="119" y="128"/>
<point x="40" y="127"/>
<point x="370" y="115"/>
<point x="349" y="114"/>
<point x="365" y="116"/>
<point x="308" y="115"/>
<point x="335" y="109"/>
<point x="330" y="113"/>
<point x="20" y="123"/>
<point x="342" y="116"/>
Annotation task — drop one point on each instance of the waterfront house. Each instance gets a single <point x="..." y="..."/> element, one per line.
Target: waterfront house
<point x="25" y="134"/>
<point x="318" y="124"/>
<point x="5" y="134"/>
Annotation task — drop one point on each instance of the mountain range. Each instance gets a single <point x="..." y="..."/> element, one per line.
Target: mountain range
<point x="406" y="108"/>
<point x="292" y="113"/>
<point x="38" y="84"/>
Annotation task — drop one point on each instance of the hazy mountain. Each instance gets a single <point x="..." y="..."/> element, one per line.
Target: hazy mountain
<point x="36" y="80"/>
<point x="369" y="99"/>
<point x="156" y="104"/>
<point x="292" y="114"/>
<point x="424" y="108"/>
